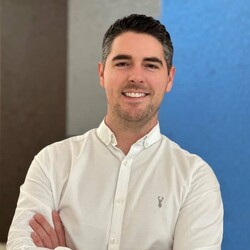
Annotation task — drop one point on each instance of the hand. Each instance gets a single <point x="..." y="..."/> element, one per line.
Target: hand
<point x="44" y="234"/>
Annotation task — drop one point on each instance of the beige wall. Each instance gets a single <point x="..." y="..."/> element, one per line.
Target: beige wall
<point x="88" y="20"/>
<point x="33" y="90"/>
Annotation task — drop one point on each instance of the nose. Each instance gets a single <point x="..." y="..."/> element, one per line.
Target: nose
<point x="136" y="76"/>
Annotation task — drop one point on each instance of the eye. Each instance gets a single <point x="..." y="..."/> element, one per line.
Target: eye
<point x="121" y="64"/>
<point x="152" y="66"/>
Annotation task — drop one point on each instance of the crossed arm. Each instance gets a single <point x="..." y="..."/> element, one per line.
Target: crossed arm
<point x="44" y="235"/>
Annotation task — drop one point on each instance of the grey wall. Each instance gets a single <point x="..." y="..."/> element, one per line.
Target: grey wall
<point x="88" y="20"/>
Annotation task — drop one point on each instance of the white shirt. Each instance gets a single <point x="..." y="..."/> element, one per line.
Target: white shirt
<point x="157" y="197"/>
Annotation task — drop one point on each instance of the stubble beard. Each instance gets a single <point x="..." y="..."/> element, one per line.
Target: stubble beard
<point x="135" y="119"/>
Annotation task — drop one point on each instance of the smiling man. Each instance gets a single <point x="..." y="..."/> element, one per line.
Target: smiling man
<point x="135" y="77"/>
<point x="123" y="185"/>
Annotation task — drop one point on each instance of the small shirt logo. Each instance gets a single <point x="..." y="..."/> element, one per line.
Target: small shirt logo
<point x="160" y="200"/>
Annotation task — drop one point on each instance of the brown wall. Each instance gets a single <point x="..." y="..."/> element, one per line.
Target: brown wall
<point x="32" y="88"/>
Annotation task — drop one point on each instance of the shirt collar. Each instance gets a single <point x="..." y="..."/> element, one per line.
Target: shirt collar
<point x="107" y="136"/>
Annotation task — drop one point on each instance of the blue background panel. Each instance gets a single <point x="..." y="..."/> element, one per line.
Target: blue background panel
<point x="208" y="109"/>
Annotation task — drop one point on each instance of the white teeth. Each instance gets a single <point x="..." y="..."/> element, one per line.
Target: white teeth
<point x="134" y="95"/>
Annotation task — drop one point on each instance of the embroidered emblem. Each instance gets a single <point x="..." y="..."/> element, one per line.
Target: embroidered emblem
<point x="160" y="200"/>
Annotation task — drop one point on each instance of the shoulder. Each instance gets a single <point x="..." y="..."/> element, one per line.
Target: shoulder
<point x="65" y="150"/>
<point x="180" y="155"/>
<point x="190" y="165"/>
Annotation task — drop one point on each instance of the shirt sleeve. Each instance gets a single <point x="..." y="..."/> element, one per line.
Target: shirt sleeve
<point x="200" y="222"/>
<point x="36" y="195"/>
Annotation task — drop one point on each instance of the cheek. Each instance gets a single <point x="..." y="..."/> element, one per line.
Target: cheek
<point x="113" y="82"/>
<point x="109" y="80"/>
<point x="159" y="86"/>
<point x="111" y="91"/>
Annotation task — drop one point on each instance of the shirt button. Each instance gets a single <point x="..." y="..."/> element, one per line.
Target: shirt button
<point x="146" y="144"/>
<point x="119" y="201"/>
<point x="113" y="241"/>
<point x="125" y="163"/>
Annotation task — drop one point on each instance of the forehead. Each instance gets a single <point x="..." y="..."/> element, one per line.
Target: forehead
<point x="137" y="44"/>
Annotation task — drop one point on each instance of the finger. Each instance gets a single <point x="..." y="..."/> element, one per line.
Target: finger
<point x="48" y="229"/>
<point x="38" y="229"/>
<point x="59" y="228"/>
<point x="36" y="239"/>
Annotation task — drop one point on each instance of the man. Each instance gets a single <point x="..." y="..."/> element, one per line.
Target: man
<point x="123" y="185"/>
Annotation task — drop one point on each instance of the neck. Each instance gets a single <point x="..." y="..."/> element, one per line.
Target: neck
<point x="128" y="133"/>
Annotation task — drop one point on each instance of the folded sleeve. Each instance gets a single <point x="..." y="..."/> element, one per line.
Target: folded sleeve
<point x="200" y="221"/>
<point x="36" y="195"/>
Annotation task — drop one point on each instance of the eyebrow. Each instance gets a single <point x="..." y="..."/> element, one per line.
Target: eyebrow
<point x="146" y="59"/>
<point x="153" y="59"/>
<point x="121" y="57"/>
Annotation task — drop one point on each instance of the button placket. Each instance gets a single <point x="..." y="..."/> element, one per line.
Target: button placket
<point x="119" y="204"/>
<point x="121" y="196"/>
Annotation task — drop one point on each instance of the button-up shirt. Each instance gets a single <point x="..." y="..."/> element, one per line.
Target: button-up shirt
<point x="157" y="197"/>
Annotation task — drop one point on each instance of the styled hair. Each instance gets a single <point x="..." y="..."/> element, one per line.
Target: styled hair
<point x="139" y="24"/>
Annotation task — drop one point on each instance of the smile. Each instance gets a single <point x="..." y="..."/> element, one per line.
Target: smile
<point x="134" y="95"/>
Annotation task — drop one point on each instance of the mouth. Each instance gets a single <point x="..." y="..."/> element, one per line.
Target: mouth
<point x="135" y="94"/>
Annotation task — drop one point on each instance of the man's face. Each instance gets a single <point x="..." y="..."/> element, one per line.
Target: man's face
<point x="135" y="78"/>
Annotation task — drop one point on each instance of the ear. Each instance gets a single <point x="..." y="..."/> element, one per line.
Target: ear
<point x="170" y="79"/>
<point x="101" y="73"/>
